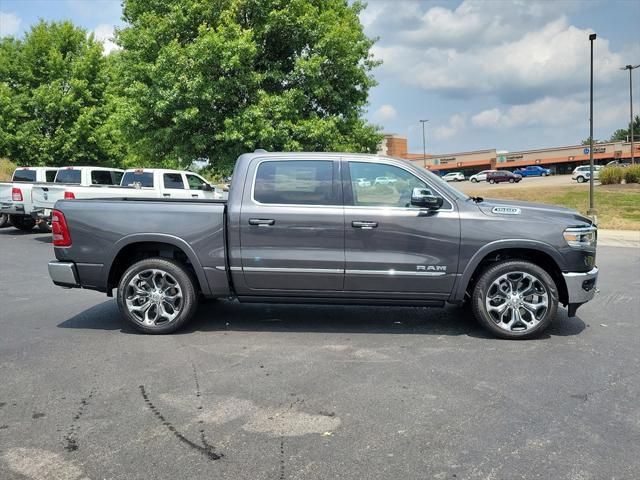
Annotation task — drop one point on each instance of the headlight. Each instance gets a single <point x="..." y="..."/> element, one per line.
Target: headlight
<point x="581" y="237"/>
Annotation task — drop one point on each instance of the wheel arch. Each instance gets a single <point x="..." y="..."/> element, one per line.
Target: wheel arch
<point x="130" y="249"/>
<point x="538" y="253"/>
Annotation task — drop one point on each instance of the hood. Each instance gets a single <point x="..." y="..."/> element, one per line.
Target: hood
<point x="527" y="210"/>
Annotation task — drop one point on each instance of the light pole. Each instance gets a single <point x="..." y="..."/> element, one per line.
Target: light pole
<point x="592" y="210"/>
<point x="424" y="144"/>
<point x="631" y="68"/>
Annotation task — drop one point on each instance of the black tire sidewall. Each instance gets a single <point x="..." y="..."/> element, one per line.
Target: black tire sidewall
<point x="22" y="223"/>
<point x="4" y="220"/>
<point x="185" y="280"/>
<point x="493" y="272"/>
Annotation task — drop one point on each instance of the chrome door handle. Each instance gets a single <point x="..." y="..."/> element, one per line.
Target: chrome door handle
<point x="364" y="225"/>
<point x="261" y="222"/>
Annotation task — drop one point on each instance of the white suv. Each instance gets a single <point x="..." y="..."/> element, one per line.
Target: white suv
<point x="454" y="177"/>
<point x="581" y="174"/>
<point x="480" y="176"/>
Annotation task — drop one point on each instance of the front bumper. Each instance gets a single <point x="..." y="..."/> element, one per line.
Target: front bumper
<point x="581" y="286"/>
<point x="63" y="274"/>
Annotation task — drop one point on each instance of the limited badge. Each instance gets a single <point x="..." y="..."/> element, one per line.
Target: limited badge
<point x="506" y="210"/>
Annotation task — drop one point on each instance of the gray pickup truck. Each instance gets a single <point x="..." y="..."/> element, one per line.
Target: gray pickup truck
<point x="322" y="228"/>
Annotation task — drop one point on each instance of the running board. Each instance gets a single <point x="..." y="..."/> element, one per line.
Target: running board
<point x="343" y="301"/>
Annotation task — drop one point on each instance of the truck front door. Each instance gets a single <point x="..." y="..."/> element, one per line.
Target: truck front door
<point x="391" y="246"/>
<point x="292" y="227"/>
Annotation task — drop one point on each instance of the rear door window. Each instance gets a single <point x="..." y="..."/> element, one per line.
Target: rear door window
<point x="24" y="176"/>
<point x="145" y="179"/>
<point x="173" y="181"/>
<point x="295" y="182"/>
<point x="68" y="175"/>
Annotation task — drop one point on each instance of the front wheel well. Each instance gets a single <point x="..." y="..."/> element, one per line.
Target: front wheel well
<point x="542" y="259"/>
<point x="135" y="252"/>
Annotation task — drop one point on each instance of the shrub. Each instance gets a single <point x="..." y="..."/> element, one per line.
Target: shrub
<point x="632" y="174"/>
<point x="6" y="169"/>
<point x="611" y="175"/>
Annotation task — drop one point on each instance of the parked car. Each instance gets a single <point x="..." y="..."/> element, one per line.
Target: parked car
<point x="617" y="163"/>
<point x="480" y="176"/>
<point x="383" y="180"/>
<point x="306" y="239"/>
<point x="16" y="203"/>
<point x="363" y="182"/>
<point x="93" y="182"/>
<point x="454" y="177"/>
<point x="533" y="171"/>
<point x="583" y="173"/>
<point x="503" y="176"/>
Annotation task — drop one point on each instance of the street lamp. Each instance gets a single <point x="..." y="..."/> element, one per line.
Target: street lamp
<point x="592" y="210"/>
<point x="424" y="144"/>
<point x="631" y="68"/>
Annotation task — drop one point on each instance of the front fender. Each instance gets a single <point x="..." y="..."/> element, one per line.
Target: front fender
<point x="461" y="284"/>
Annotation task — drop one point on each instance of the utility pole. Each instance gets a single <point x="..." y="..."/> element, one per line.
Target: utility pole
<point x="592" y="210"/>
<point x="424" y="144"/>
<point x="631" y="68"/>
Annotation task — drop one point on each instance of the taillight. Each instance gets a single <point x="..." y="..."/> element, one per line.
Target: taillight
<point x="69" y="196"/>
<point x="16" y="194"/>
<point x="60" y="230"/>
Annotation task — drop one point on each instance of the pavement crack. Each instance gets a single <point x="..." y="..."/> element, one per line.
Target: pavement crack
<point x="206" y="450"/>
<point x="71" y="437"/>
<point x="281" y="459"/>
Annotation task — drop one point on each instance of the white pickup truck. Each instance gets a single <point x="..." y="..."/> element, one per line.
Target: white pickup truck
<point x="88" y="182"/>
<point x="16" y="202"/>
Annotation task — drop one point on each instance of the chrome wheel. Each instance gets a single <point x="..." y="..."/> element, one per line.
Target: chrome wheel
<point x="153" y="297"/>
<point x="517" y="301"/>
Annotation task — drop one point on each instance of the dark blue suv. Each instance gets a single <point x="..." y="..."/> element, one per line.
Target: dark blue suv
<point x="533" y="171"/>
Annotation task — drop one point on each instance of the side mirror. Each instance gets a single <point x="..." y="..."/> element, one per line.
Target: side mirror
<point x="421" y="197"/>
<point x="207" y="187"/>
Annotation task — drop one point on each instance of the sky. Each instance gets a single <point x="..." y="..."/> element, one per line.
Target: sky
<point x="498" y="74"/>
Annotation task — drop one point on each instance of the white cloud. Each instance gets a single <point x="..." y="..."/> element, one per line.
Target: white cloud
<point x="9" y="24"/>
<point x="518" y="52"/>
<point x="385" y="113"/>
<point x="546" y="111"/>
<point x="104" y="34"/>
<point x="456" y="124"/>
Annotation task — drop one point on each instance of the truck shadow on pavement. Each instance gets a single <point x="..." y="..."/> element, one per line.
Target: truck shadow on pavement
<point x="216" y="316"/>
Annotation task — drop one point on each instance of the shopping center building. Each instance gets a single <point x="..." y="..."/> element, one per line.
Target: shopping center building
<point x="558" y="159"/>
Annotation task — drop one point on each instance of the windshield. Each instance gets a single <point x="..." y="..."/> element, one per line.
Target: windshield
<point x="441" y="184"/>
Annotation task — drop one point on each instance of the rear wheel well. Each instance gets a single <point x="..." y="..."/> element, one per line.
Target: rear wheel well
<point x="537" y="257"/>
<point x="139" y="251"/>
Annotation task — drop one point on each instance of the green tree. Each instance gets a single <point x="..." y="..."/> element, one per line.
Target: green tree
<point x="52" y="87"/>
<point x="623" y="134"/>
<point x="216" y="78"/>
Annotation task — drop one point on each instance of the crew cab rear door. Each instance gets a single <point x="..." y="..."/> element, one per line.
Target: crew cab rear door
<point x="392" y="247"/>
<point x="292" y="226"/>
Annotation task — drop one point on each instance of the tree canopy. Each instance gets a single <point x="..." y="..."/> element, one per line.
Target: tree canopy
<point x="216" y="78"/>
<point x="52" y="98"/>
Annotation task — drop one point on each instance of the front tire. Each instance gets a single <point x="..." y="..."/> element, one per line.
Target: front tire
<point x="515" y="299"/>
<point x="474" y="180"/>
<point x="511" y="180"/>
<point x="580" y="179"/>
<point x="22" y="222"/>
<point x="492" y="181"/>
<point x="157" y="295"/>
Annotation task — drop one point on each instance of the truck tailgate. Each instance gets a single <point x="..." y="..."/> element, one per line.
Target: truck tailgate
<point x="47" y="196"/>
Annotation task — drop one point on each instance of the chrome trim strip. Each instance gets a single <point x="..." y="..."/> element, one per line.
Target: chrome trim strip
<point x="221" y="267"/>
<point x="235" y="269"/>
<point x="294" y="270"/>
<point x="593" y="271"/>
<point x="392" y="272"/>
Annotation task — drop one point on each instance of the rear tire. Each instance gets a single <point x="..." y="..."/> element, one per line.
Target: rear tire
<point x="4" y="220"/>
<point x="157" y="295"/>
<point x="511" y="180"/>
<point x="515" y="299"/>
<point x="22" y="222"/>
<point x="474" y="180"/>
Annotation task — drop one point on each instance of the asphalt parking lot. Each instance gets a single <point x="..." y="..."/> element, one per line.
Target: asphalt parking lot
<point x="536" y="182"/>
<point x="311" y="392"/>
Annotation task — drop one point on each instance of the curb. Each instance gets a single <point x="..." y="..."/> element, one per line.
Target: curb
<point x="619" y="238"/>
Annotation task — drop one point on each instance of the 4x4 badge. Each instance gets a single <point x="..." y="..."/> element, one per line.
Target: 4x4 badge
<point x="506" y="210"/>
